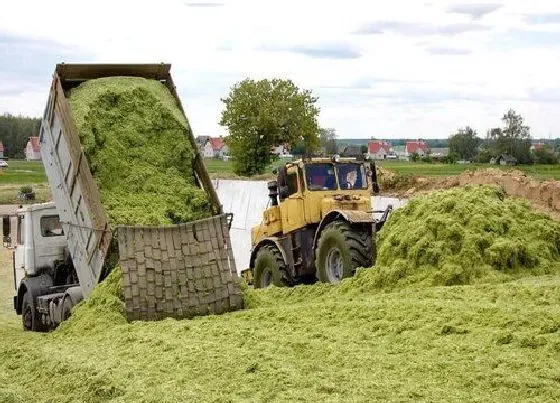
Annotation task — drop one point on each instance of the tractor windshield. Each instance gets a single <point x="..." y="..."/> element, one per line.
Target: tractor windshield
<point x="320" y="177"/>
<point x="351" y="176"/>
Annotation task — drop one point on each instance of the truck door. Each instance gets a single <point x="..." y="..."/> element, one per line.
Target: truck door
<point x="291" y="206"/>
<point x="18" y="256"/>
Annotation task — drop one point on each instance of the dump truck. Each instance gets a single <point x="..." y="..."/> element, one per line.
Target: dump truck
<point x="63" y="247"/>
<point x="320" y="223"/>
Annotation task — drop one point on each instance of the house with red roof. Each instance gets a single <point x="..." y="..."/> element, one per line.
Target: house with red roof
<point x="379" y="150"/>
<point x="419" y="147"/>
<point x="215" y="147"/>
<point x="32" y="150"/>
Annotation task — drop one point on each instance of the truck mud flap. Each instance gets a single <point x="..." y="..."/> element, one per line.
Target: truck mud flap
<point x="179" y="270"/>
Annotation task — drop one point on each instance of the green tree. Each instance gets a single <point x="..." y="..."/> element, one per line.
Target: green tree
<point x="513" y="139"/>
<point x="262" y="114"/>
<point x="464" y="143"/>
<point x="15" y="131"/>
<point x="545" y="155"/>
<point x="327" y="141"/>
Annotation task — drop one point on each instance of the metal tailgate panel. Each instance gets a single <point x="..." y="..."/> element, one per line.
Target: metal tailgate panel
<point x="74" y="191"/>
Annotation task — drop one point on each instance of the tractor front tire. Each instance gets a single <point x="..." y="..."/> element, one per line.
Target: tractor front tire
<point x="341" y="249"/>
<point x="270" y="268"/>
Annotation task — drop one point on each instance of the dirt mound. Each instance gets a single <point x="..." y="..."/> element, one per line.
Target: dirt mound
<point x="463" y="236"/>
<point x="543" y="196"/>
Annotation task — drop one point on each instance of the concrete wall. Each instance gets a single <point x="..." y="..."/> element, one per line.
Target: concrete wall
<point x="247" y="200"/>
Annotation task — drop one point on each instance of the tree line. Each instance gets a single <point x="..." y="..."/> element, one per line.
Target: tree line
<point x="15" y="131"/>
<point x="513" y="139"/>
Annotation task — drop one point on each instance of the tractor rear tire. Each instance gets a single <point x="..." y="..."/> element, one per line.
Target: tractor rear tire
<point x="270" y="268"/>
<point x="341" y="249"/>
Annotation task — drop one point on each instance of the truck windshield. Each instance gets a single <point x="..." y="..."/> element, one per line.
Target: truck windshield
<point x="320" y="177"/>
<point x="50" y="226"/>
<point x="351" y="176"/>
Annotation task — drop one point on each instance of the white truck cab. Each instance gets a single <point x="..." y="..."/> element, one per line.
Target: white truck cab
<point x="40" y="240"/>
<point x="45" y="279"/>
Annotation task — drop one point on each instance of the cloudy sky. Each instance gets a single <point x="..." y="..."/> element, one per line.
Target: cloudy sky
<point x="386" y="69"/>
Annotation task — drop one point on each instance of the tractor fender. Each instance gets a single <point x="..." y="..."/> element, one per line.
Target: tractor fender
<point x="352" y="216"/>
<point x="267" y="241"/>
<point x="36" y="286"/>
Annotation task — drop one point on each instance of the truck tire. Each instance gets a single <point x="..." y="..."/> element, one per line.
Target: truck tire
<point x="28" y="316"/>
<point x="341" y="249"/>
<point x="270" y="268"/>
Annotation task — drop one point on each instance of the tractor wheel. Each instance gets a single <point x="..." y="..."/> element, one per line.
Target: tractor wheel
<point x="28" y="316"/>
<point x="341" y="249"/>
<point x="270" y="268"/>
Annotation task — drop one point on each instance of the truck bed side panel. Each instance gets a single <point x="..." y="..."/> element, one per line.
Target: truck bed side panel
<point x="73" y="189"/>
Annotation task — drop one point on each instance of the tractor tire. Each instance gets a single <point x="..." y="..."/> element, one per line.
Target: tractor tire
<point x="28" y="316"/>
<point x="270" y="268"/>
<point x="341" y="249"/>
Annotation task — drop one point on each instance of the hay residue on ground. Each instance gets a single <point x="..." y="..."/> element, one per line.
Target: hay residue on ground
<point x="136" y="142"/>
<point x="465" y="235"/>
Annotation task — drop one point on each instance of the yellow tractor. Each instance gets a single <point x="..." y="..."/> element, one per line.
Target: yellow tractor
<point x="319" y="223"/>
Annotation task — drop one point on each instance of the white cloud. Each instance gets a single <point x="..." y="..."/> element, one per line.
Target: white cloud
<point x="433" y="67"/>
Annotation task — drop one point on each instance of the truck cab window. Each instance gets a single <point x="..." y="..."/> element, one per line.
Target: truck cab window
<point x="50" y="226"/>
<point x="320" y="177"/>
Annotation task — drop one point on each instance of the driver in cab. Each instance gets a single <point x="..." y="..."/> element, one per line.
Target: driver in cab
<point x="351" y="178"/>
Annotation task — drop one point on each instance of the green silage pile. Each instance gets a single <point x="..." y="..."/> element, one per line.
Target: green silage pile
<point x="465" y="235"/>
<point x="136" y="142"/>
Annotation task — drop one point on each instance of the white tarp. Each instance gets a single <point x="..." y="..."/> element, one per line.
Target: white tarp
<point x="247" y="200"/>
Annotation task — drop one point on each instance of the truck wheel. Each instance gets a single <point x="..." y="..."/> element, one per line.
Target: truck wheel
<point x="27" y="315"/>
<point x="341" y="249"/>
<point x="269" y="268"/>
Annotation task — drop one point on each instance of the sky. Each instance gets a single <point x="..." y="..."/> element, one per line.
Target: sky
<point x="383" y="69"/>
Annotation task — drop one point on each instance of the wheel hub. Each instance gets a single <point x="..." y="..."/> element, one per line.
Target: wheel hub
<point x="266" y="278"/>
<point x="334" y="265"/>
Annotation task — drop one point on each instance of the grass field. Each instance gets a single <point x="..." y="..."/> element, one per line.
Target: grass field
<point x="540" y="172"/>
<point x="23" y="172"/>
<point x="498" y="343"/>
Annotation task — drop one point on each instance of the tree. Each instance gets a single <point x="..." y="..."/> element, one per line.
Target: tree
<point x="327" y="141"/>
<point x="15" y="131"/>
<point x="545" y="155"/>
<point x="513" y="139"/>
<point x="464" y="143"/>
<point x="262" y="114"/>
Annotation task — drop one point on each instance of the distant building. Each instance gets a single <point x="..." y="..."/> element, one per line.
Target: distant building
<point x="537" y="146"/>
<point x="504" y="159"/>
<point x="215" y="147"/>
<point x="379" y="150"/>
<point x="419" y="147"/>
<point x="439" y="152"/>
<point x="32" y="150"/>
<point x="281" y="150"/>
<point x="1" y="150"/>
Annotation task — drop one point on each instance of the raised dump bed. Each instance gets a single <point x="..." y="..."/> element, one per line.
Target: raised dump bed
<point x="171" y="270"/>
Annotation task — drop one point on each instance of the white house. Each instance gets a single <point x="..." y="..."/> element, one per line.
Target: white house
<point x="419" y="147"/>
<point x="215" y="147"/>
<point x="379" y="150"/>
<point x="1" y="150"/>
<point x="32" y="150"/>
<point x="281" y="150"/>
